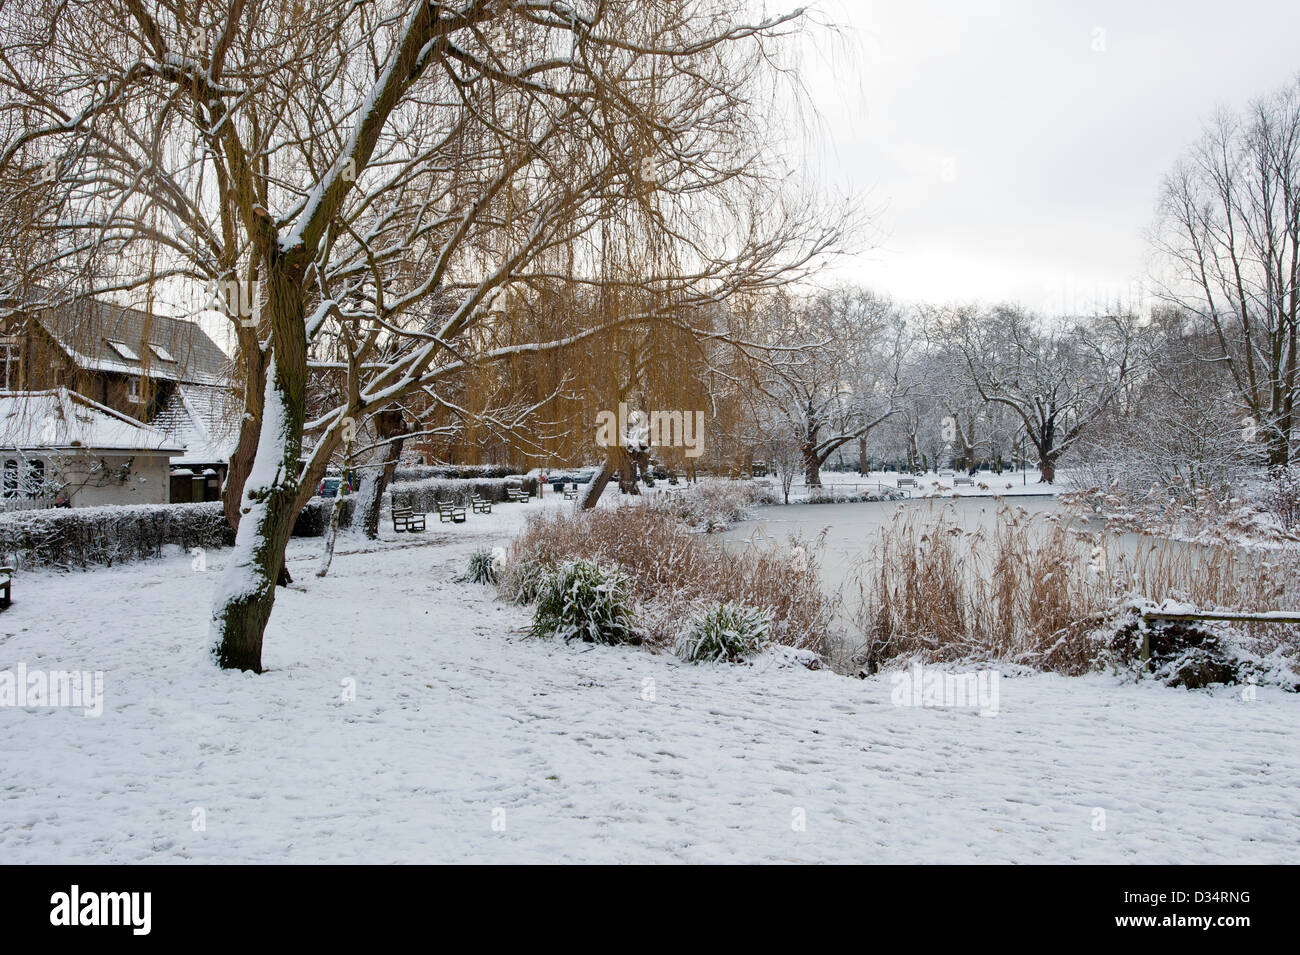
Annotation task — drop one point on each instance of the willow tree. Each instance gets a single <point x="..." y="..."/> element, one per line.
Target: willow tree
<point x="361" y="182"/>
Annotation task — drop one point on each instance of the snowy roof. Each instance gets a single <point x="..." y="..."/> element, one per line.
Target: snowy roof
<point x="101" y="336"/>
<point x="201" y="418"/>
<point x="62" y="419"/>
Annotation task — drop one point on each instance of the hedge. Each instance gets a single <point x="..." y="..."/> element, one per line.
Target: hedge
<point x="424" y="496"/>
<point x="424" y="472"/>
<point x="103" y="536"/>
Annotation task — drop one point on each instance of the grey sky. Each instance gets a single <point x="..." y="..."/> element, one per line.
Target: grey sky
<point x="1015" y="149"/>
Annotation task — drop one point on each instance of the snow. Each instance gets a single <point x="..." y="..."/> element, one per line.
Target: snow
<point x="594" y="754"/>
<point x="985" y="484"/>
<point x="60" y="418"/>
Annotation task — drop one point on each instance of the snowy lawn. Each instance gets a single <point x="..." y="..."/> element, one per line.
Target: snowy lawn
<point x="468" y="742"/>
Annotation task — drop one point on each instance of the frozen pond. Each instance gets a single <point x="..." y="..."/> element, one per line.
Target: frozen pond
<point x="852" y="529"/>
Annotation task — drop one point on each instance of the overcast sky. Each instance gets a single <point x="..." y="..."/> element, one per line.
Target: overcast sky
<point x="1016" y="148"/>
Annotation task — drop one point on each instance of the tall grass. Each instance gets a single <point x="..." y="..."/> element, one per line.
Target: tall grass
<point x="1040" y="590"/>
<point x="673" y="571"/>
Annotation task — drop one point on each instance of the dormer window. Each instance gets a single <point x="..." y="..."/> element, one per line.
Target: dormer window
<point x="161" y="353"/>
<point x="123" y="349"/>
<point x="133" y="390"/>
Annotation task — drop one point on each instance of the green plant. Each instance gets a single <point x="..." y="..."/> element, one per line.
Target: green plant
<point x="727" y="631"/>
<point x="582" y="600"/>
<point x="482" y="567"/>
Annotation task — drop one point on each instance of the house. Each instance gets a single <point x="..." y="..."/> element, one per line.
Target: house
<point x="58" y="441"/>
<point x="162" y="372"/>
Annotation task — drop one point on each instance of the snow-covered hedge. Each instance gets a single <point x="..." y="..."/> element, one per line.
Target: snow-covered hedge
<point x="102" y="536"/>
<point x="423" y="472"/>
<point x="424" y="496"/>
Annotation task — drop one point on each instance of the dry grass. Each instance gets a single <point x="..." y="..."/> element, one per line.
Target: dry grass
<point x="674" y="571"/>
<point x="1040" y="590"/>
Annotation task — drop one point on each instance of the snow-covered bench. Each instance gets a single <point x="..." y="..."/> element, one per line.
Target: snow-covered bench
<point x="448" y="511"/>
<point x="571" y="492"/>
<point x="962" y="480"/>
<point x="481" y="505"/>
<point x="517" y="495"/>
<point x="6" y="580"/>
<point x="406" y="520"/>
<point x="906" y="482"/>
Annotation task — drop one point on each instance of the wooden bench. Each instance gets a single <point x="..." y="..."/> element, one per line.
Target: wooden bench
<point x="481" y="505"/>
<point x="907" y="482"/>
<point x="962" y="480"/>
<point x="404" y="519"/>
<point x="672" y="477"/>
<point x="571" y="492"/>
<point x="6" y="580"/>
<point x="516" y="495"/>
<point x="447" y="511"/>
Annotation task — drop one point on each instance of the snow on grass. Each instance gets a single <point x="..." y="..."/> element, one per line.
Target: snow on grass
<point x="604" y="754"/>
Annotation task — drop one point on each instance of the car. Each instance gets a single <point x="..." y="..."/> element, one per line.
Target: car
<point x="329" y="487"/>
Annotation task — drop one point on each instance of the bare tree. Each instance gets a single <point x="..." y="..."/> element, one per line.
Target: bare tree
<point x="831" y="371"/>
<point x="364" y="183"/>
<point x="1230" y="232"/>
<point x="1057" y="379"/>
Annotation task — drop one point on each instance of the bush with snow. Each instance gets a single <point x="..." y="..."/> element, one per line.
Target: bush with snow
<point x="584" y="601"/>
<point x="482" y="567"/>
<point x="727" y="631"/>
<point x="103" y="536"/>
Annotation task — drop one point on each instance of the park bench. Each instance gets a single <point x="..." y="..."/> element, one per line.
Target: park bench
<point x="962" y="480"/>
<point x="672" y="477"/>
<point x="481" y="505"/>
<point x="516" y="495"/>
<point x="571" y="492"/>
<point x="447" y="511"/>
<point x="6" y="580"/>
<point x="907" y="482"/>
<point x="404" y="519"/>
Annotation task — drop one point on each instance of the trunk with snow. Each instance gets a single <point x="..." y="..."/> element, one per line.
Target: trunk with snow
<point x="270" y="501"/>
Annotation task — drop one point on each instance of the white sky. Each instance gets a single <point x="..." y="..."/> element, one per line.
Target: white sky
<point x="1010" y="160"/>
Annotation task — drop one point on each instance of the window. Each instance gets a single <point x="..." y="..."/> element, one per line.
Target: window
<point x="123" y="349"/>
<point x="133" y="390"/>
<point x="161" y="353"/>
<point x="10" y="485"/>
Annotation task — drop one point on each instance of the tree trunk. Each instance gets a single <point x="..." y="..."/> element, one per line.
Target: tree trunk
<point x="862" y="456"/>
<point x="241" y="459"/>
<point x="390" y="425"/>
<point x="812" y="467"/>
<point x="1046" y="468"/>
<point x="597" y="486"/>
<point x="269" y="504"/>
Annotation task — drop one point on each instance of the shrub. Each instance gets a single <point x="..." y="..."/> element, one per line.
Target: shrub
<point x="314" y="519"/>
<point x="725" y="632"/>
<point x="103" y="536"/>
<point x="422" y="472"/>
<point x="581" y="600"/>
<point x="671" y="570"/>
<point x="521" y="579"/>
<point x="1040" y="592"/>
<point x="712" y="505"/>
<point x="482" y="567"/>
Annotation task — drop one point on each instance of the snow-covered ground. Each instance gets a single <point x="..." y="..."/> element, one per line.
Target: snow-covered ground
<point x="468" y="742"/>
